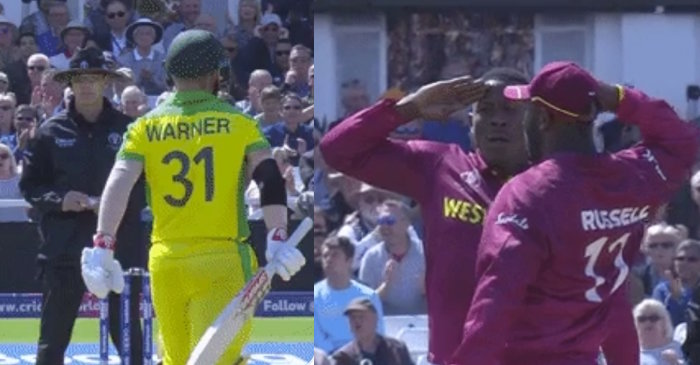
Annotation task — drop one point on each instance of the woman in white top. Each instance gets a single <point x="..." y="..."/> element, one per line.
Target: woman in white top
<point x="9" y="186"/>
<point x="656" y="334"/>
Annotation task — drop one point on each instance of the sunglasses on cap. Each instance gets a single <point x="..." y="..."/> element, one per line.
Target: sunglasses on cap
<point x="664" y="245"/>
<point x="119" y="14"/>
<point x="649" y="318"/>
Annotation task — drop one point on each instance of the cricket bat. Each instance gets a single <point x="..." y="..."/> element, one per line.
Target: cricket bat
<point x="220" y="334"/>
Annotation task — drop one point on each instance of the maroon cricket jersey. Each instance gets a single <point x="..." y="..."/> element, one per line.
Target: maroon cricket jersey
<point x="453" y="188"/>
<point x="557" y="244"/>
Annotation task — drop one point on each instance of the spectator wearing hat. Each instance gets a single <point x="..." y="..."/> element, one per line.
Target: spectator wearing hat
<point x="73" y="36"/>
<point x="145" y="62"/>
<point x="367" y="343"/>
<point x="48" y="38"/>
<point x="333" y="294"/>
<point x="189" y="11"/>
<point x="66" y="167"/>
<point x="260" y="50"/>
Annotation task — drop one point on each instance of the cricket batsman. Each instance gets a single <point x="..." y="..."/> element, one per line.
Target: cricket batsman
<point x="197" y="153"/>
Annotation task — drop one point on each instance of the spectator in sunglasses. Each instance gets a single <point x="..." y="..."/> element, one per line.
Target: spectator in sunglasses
<point x="108" y="24"/>
<point x="36" y="65"/>
<point x="9" y="188"/>
<point x="655" y="333"/>
<point x="281" y="66"/>
<point x="659" y="247"/>
<point x="675" y="291"/>
<point x="292" y="129"/>
<point x="395" y="267"/>
<point x="260" y="50"/>
<point x="25" y="127"/>
<point x="236" y="68"/>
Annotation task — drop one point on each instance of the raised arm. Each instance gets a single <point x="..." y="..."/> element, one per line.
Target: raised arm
<point x="359" y="146"/>
<point x="669" y="145"/>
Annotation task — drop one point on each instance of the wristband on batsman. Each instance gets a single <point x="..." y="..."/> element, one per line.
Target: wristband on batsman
<point x="105" y="241"/>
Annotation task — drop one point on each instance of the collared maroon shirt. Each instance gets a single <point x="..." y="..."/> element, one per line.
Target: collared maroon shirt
<point x="454" y="190"/>
<point x="558" y="242"/>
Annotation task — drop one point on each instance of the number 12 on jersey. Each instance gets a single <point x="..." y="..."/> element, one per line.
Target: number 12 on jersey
<point x="593" y="252"/>
<point x="205" y="156"/>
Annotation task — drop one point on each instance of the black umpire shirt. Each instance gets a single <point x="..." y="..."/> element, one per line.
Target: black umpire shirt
<point x="70" y="153"/>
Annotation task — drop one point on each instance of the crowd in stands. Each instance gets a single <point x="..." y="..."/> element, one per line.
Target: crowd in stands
<point x="368" y="242"/>
<point x="268" y="74"/>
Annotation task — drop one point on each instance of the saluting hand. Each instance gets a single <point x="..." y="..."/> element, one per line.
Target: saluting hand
<point x="439" y="100"/>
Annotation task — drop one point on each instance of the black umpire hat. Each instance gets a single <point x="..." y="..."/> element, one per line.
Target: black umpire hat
<point x="87" y="61"/>
<point x="194" y="53"/>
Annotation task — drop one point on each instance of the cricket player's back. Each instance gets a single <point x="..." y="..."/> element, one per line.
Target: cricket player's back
<point x="587" y="216"/>
<point x="194" y="148"/>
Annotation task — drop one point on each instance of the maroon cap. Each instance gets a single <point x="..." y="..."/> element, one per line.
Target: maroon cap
<point x="564" y="87"/>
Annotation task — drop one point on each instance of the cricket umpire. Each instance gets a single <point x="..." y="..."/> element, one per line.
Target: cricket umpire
<point x="66" y="167"/>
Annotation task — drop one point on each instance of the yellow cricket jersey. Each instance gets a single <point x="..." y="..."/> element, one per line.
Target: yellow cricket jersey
<point x="193" y="147"/>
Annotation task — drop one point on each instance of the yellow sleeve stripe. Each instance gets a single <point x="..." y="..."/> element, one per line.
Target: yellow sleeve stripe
<point x="256" y="146"/>
<point x="123" y="155"/>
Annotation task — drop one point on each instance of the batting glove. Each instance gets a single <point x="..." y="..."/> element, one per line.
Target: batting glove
<point x="100" y="271"/>
<point x="286" y="259"/>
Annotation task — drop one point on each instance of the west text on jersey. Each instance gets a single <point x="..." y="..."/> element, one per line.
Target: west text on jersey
<point x="463" y="210"/>
<point x="598" y="219"/>
<point x="187" y="130"/>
